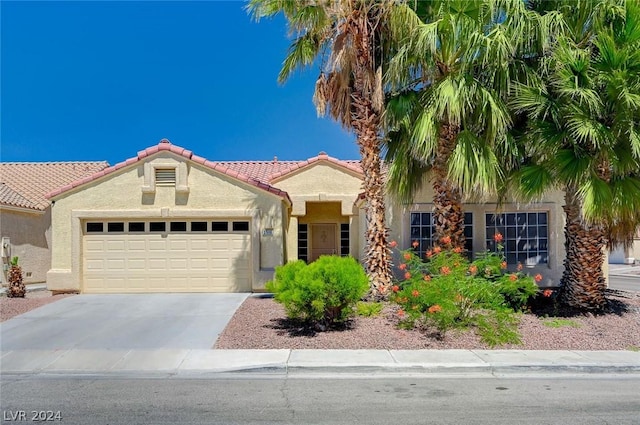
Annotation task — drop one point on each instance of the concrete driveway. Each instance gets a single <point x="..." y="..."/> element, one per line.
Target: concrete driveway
<point x="122" y="322"/>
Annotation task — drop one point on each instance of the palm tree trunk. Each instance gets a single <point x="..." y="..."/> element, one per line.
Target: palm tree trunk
<point x="583" y="282"/>
<point x="447" y="199"/>
<point x="365" y="120"/>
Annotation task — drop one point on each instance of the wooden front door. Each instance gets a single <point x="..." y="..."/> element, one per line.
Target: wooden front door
<point x="323" y="240"/>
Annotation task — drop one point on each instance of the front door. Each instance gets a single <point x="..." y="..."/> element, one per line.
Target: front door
<point x="323" y="240"/>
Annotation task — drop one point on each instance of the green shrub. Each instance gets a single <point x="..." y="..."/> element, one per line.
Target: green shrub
<point x="324" y="291"/>
<point x="448" y="291"/>
<point x="368" y="309"/>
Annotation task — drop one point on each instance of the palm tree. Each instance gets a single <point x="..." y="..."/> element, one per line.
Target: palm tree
<point x="447" y="113"/>
<point x="350" y="40"/>
<point x="583" y="136"/>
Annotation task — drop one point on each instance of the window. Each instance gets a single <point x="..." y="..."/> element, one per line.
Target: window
<point x="199" y="226"/>
<point x="95" y="227"/>
<point x="344" y="239"/>
<point x="240" y="226"/>
<point x="525" y="236"/>
<point x="178" y="226"/>
<point x="165" y="176"/>
<point x="157" y="226"/>
<point x="423" y="230"/>
<point x="219" y="226"/>
<point x="136" y="226"/>
<point x="303" y="238"/>
<point x="115" y="227"/>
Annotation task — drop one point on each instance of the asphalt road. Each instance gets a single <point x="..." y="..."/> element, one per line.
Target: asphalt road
<point x="303" y="400"/>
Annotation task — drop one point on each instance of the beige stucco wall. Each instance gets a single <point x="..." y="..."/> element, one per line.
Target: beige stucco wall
<point x="30" y="236"/>
<point x="321" y="193"/>
<point x="399" y="223"/>
<point x="120" y="195"/>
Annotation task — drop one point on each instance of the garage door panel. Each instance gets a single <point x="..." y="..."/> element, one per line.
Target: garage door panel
<point x="157" y="264"/>
<point x="178" y="264"/>
<point x="199" y="264"/>
<point x="115" y="245"/>
<point x="136" y="264"/>
<point x="157" y="245"/>
<point x="178" y="245"/>
<point x="199" y="245"/>
<point x="137" y="246"/>
<point x="94" y="264"/>
<point x="173" y="262"/>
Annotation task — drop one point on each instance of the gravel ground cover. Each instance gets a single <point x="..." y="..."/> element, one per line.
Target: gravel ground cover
<point x="260" y="323"/>
<point x="11" y="307"/>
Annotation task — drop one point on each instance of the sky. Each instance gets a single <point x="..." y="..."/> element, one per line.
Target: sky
<point x="89" y="80"/>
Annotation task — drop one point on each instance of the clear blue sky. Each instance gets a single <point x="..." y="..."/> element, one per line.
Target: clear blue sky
<point x="87" y="80"/>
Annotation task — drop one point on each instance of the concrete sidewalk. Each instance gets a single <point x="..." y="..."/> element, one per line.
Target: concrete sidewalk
<point x="196" y="362"/>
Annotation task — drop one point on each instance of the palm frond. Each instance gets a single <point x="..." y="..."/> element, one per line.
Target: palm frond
<point x="302" y="52"/>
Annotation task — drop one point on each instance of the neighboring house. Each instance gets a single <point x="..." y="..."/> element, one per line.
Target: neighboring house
<point x="167" y="220"/>
<point x="25" y="213"/>
<point x="628" y="255"/>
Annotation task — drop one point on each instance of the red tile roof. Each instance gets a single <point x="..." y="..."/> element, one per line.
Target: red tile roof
<point x="260" y="174"/>
<point x="246" y="172"/>
<point x="25" y="184"/>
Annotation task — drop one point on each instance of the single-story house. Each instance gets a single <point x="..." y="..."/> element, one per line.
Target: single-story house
<point x="25" y="214"/>
<point x="167" y="220"/>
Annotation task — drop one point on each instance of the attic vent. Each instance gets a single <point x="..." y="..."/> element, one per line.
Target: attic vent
<point x="165" y="176"/>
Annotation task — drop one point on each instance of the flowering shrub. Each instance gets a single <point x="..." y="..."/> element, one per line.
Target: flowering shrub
<point x="446" y="291"/>
<point x="323" y="292"/>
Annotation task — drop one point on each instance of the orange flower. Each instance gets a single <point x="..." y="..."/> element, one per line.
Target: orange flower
<point x="400" y="313"/>
<point x="393" y="244"/>
<point x="429" y="254"/>
<point x="437" y="250"/>
<point x="427" y="278"/>
<point x="473" y="269"/>
<point x="446" y="240"/>
<point x="415" y="293"/>
<point x="547" y="292"/>
<point x="513" y="278"/>
<point x="402" y="266"/>
<point x="403" y="299"/>
<point x="498" y="237"/>
<point x="435" y="308"/>
<point x="538" y="277"/>
<point x="503" y="265"/>
<point x="395" y="288"/>
<point x="415" y="244"/>
<point x="445" y="270"/>
<point x="407" y="275"/>
<point x="457" y="250"/>
<point x="407" y="256"/>
<point x="519" y="267"/>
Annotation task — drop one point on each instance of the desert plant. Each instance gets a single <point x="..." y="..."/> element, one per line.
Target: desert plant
<point x="368" y="309"/>
<point x="323" y="293"/>
<point x="447" y="291"/>
<point x="16" y="285"/>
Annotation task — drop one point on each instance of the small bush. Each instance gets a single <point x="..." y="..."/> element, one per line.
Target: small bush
<point x="448" y="291"/>
<point x="324" y="292"/>
<point x="368" y="309"/>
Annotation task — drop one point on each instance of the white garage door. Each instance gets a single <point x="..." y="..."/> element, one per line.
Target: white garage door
<point x="166" y="256"/>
